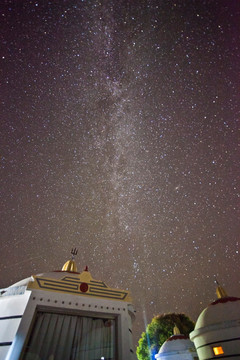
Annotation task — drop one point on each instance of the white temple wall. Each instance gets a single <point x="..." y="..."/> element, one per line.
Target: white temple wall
<point x="81" y="305"/>
<point x="11" y="312"/>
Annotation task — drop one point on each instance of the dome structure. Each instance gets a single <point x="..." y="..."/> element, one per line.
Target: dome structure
<point x="217" y="329"/>
<point x="70" y="265"/>
<point x="177" y="347"/>
<point x="220" y="311"/>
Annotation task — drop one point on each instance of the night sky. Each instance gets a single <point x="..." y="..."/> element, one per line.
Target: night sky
<point x="119" y="137"/>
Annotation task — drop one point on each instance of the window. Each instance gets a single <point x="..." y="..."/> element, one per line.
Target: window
<point x="218" y="350"/>
<point x="62" y="336"/>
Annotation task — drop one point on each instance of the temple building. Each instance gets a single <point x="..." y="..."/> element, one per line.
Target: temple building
<point x="65" y="315"/>
<point x="217" y="331"/>
<point x="177" y="347"/>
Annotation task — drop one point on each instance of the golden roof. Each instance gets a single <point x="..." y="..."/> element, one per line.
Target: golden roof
<point x="70" y="265"/>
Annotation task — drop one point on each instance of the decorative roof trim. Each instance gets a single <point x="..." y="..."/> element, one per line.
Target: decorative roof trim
<point x="81" y="284"/>
<point x="225" y="300"/>
<point x="178" y="337"/>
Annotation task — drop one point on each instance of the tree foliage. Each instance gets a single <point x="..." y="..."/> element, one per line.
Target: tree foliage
<point x="158" y="331"/>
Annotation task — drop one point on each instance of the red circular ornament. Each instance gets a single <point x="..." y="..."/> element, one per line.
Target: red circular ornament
<point x="84" y="287"/>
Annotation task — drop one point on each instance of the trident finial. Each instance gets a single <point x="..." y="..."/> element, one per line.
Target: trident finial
<point x="74" y="253"/>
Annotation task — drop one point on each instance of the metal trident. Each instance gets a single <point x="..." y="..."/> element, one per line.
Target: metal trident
<point x="74" y="252"/>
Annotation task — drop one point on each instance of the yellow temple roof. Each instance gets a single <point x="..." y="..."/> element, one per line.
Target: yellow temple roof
<point x="68" y="280"/>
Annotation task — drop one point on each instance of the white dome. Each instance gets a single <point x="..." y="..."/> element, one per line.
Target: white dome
<point x="177" y="347"/>
<point x="223" y="309"/>
<point x="177" y="343"/>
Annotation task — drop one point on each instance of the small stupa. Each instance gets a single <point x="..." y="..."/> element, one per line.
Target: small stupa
<point x="177" y="347"/>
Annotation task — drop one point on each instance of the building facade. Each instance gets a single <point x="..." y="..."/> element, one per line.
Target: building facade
<point x="65" y="315"/>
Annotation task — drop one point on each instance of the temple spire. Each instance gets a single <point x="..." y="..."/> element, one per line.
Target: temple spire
<point x="176" y="330"/>
<point x="221" y="293"/>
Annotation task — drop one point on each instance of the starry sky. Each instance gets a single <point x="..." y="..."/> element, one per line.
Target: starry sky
<point x="119" y="137"/>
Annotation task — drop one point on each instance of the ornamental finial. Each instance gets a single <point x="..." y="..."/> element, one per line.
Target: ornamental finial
<point x="70" y="264"/>
<point x="176" y="330"/>
<point x="221" y="293"/>
<point x="74" y="252"/>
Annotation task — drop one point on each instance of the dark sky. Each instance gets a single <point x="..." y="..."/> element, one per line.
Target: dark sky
<point x="119" y="122"/>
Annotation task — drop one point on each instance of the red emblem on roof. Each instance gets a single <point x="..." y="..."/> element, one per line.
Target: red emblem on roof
<point x="84" y="287"/>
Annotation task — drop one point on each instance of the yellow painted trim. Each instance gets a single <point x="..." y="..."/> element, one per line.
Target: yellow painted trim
<point x="72" y="284"/>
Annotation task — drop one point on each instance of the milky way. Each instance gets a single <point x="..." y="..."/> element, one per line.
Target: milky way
<point x="119" y="122"/>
